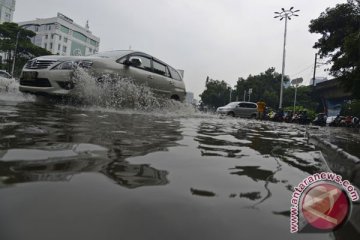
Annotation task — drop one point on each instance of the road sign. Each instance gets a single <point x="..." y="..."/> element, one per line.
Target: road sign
<point x="250" y="90"/>
<point x="296" y="81"/>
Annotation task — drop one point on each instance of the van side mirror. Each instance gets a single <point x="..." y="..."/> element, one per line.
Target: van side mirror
<point x="135" y="61"/>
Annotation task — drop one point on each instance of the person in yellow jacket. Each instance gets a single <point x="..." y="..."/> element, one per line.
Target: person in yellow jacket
<point x="261" y="109"/>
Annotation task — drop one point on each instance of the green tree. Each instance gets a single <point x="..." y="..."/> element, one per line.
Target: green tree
<point x="340" y="41"/>
<point x="216" y="93"/>
<point x="25" y="50"/>
<point x="264" y="86"/>
<point x="305" y="97"/>
<point x="351" y="109"/>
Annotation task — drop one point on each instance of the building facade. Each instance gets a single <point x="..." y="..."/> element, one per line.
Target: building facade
<point x="7" y="8"/>
<point x="61" y="36"/>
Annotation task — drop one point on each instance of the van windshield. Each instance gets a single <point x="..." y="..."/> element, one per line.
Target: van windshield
<point x="113" y="54"/>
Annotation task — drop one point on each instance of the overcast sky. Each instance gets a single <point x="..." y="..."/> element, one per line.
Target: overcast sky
<point x="223" y="39"/>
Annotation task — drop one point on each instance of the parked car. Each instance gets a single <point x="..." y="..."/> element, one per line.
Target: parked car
<point x="330" y="120"/>
<point x="5" y="80"/>
<point x="5" y="74"/>
<point x="239" y="109"/>
<point x="53" y="74"/>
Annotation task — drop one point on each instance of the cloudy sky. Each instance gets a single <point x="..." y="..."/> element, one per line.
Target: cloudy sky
<point x="223" y="39"/>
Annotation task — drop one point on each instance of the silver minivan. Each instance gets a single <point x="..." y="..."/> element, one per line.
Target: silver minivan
<point x="53" y="74"/>
<point x="239" y="109"/>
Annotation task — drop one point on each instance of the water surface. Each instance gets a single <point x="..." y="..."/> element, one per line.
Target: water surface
<point x="71" y="172"/>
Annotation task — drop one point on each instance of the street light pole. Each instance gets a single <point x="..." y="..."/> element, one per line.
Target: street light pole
<point x="287" y="14"/>
<point x="283" y="65"/>
<point x="296" y="86"/>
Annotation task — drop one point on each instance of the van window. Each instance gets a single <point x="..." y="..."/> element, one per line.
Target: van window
<point x="251" y="105"/>
<point x="145" y="62"/>
<point x="242" y="105"/>
<point x="174" y="74"/>
<point x="160" y="68"/>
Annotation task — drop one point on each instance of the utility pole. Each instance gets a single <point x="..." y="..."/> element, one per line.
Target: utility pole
<point x="244" y="95"/>
<point x="315" y="69"/>
<point x="16" y="47"/>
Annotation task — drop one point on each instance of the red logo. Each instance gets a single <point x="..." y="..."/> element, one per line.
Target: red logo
<point x="325" y="206"/>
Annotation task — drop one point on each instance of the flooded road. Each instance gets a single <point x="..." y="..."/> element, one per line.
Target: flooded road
<point x="70" y="172"/>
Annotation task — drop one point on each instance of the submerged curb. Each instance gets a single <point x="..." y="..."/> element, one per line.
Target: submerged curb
<point x="338" y="160"/>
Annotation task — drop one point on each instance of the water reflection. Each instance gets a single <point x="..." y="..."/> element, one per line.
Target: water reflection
<point x="54" y="143"/>
<point x="255" y="173"/>
<point x="254" y="143"/>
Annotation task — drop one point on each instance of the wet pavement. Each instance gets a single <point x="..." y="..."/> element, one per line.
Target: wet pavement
<point x="71" y="172"/>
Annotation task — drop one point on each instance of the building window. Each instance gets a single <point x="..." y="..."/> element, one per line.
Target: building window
<point x="64" y="29"/>
<point x="64" y="48"/>
<point x="45" y="46"/>
<point x="52" y="36"/>
<point x="59" y="37"/>
<point x="36" y="29"/>
<point x="80" y="36"/>
<point x="51" y="46"/>
<point x="65" y="39"/>
<point x="46" y="36"/>
<point x="59" y="47"/>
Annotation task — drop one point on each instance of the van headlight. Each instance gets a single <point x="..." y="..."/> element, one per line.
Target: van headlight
<point x="70" y="65"/>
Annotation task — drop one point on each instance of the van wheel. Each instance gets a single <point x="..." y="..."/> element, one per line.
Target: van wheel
<point x="100" y="80"/>
<point x="231" y="114"/>
<point x="175" y="97"/>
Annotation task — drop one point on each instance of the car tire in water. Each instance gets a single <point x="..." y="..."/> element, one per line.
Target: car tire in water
<point x="231" y="114"/>
<point x="175" y="97"/>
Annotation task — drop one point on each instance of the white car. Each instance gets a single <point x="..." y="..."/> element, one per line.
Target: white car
<point x="53" y="74"/>
<point x="239" y="109"/>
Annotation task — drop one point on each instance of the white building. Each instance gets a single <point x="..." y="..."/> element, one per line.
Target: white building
<point x="7" y="8"/>
<point x="60" y="35"/>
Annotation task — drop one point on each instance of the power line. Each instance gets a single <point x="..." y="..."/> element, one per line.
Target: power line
<point x="310" y="66"/>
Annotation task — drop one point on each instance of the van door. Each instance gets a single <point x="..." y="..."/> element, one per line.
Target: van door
<point x="241" y="110"/>
<point x="252" y="110"/>
<point x="141" y="72"/>
<point x="162" y="82"/>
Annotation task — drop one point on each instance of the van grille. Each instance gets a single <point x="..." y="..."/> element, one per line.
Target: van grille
<point x="40" y="82"/>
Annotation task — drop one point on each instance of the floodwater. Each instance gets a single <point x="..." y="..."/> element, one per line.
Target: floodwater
<point x="91" y="172"/>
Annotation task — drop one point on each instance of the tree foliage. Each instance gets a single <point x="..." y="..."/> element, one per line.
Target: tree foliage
<point x="216" y="93"/>
<point x="351" y="109"/>
<point x="305" y="97"/>
<point x="340" y="41"/>
<point x="25" y="50"/>
<point x="264" y="86"/>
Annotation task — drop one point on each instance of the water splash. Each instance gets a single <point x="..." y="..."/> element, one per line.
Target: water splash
<point x="9" y="91"/>
<point x="115" y="92"/>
